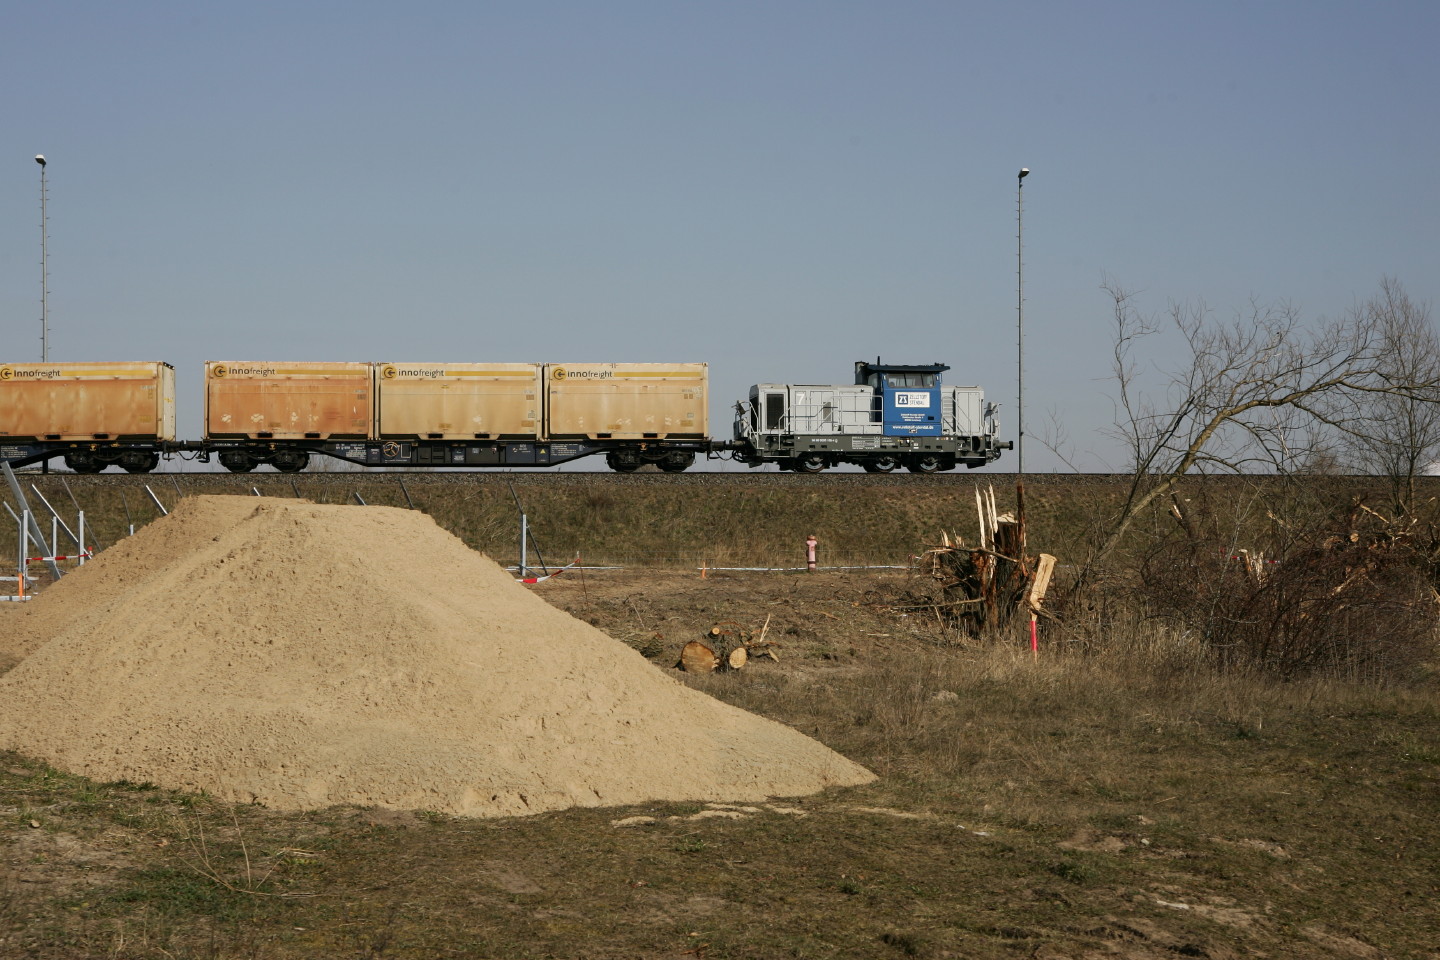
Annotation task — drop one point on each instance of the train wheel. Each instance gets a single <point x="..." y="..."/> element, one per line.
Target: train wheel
<point x="290" y="461"/>
<point x="677" y="462"/>
<point x="621" y="463"/>
<point x="924" y="463"/>
<point x="136" y="461"/>
<point x="809" y="463"/>
<point x="82" y="461"/>
<point x="237" y="461"/>
<point x="884" y="464"/>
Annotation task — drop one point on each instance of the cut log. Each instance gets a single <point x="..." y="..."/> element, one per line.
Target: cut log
<point x="698" y="658"/>
<point x="736" y="658"/>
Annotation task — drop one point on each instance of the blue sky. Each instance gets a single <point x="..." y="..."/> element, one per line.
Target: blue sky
<point x="777" y="189"/>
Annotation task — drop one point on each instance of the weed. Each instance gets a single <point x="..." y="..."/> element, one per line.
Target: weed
<point x="1074" y="871"/>
<point x="691" y="845"/>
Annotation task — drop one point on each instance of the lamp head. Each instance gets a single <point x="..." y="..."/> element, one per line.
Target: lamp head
<point x="40" y="159"/>
<point x="1024" y="172"/>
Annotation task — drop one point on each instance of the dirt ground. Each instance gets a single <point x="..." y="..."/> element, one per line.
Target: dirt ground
<point x="823" y="622"/>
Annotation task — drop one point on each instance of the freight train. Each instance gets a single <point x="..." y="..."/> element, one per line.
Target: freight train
<point x="475" y="415"/>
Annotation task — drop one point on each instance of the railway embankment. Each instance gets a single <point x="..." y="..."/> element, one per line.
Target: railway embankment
<point x="721" y="518"/>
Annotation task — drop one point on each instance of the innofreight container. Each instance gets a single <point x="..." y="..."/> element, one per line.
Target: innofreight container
<point x="458" y="401"/>
<point x="626" y="401"/>
<point x="288" y="401"/>
<point x="114" y="401"/>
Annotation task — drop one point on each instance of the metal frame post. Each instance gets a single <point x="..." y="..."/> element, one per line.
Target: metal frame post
<point x="129" y="520"/>
<point x="524" y="539"/>
<point x="56" y="518"/>
<point x="99" y="544"/>
<point x="34" y="527"/>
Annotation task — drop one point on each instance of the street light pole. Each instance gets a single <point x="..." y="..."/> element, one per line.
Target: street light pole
<point x="1020" y="319"/>
<point x="44" y="269"/>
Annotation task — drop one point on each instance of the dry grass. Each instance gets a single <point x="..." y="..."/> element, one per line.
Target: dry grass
<point x="727" y="520"/>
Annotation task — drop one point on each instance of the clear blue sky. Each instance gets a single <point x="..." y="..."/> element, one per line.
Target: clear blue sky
<point x="776" y="188"/>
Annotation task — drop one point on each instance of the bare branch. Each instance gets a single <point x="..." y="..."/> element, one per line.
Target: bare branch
<point x="1265" y="391"/>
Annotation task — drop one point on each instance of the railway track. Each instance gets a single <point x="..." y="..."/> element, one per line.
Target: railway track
<point x="270" y="479"/>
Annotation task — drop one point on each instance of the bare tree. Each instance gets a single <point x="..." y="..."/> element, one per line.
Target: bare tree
<point x="1400" y="427"/>
<point x="1256" y="392"/>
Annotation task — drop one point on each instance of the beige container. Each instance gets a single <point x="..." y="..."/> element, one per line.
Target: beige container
<point x="626" y="401"/>
<point x="458" y="401"/>
<point x="87" y="401"/>
<point x="288" y="401"/>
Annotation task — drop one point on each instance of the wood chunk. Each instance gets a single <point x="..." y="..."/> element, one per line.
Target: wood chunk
<point x="698" y="658"/>
<point x="1044" y="570"/>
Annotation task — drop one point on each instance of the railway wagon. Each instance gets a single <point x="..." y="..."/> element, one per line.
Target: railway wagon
<point x="94" y="414"/>
<point x="456" y="414"/>
<point x="281" y="406"/>
<point x="644" y="412"/>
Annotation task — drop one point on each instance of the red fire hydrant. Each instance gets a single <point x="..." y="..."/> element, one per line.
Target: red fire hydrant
<point x="810" y="553"/>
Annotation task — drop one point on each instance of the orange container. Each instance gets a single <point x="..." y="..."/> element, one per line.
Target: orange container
<point x="458" y="401"/>
<point x="125" y="400"/>
<point x="289" y="400"/>
<point x="626" y="401"/>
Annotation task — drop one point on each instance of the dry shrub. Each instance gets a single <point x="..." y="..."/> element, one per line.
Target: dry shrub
<point x="1351" y="600"/>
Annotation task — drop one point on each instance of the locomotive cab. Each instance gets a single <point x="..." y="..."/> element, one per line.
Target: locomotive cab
<point x="907" y="396"/>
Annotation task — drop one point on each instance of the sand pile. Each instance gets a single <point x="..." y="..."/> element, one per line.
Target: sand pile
<point x="301" y="655"/>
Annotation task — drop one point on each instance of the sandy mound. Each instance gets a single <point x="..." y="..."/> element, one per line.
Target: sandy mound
<point x="301" y="655"/>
